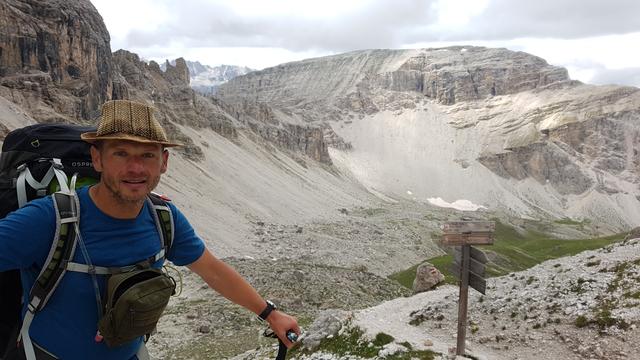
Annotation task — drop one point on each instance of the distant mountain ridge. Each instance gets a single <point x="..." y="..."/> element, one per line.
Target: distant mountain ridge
<point x="500" y="128"/>
<point x="206" y="79"/>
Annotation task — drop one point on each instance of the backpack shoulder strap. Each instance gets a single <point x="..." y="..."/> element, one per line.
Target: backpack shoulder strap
<point x="62" y="250"/>
<point x="164" y="219"/>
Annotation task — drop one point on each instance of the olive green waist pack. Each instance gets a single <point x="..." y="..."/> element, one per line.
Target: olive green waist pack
<point x="135" y="302"/>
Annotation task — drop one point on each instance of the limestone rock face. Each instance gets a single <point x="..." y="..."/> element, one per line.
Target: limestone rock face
<point x="355" y="81"/>
<point x="578" y="144"/>
<point x="470" y="73"/>
<point x="61" y="44"/>
<point x="268" y="124"/>
<point x="178" y="74"/>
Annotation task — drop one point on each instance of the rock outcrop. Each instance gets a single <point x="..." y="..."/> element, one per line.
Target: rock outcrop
<point x="56" y="59"/>
<point x="359" y="81"/>
<point x="272" y="125"/>
<point x="461" y="73"/>
<point x="177" y="74"/>
<point x="574" y="143"/>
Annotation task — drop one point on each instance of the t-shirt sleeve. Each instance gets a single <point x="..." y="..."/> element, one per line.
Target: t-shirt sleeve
<point x="26" y="235"/>
<point x="187" y="245"/>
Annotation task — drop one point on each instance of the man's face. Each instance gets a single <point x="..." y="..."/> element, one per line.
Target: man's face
<point x="129" y="170"/>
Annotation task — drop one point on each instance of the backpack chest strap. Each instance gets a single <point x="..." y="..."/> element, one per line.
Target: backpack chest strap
<point x="101" y="270"/>
<point x="164" y="223"/>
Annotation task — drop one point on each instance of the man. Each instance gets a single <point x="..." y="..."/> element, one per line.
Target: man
<point x="117" y="229"/>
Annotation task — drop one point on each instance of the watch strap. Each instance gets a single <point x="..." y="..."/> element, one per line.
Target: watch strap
<point x="267" y="310"/>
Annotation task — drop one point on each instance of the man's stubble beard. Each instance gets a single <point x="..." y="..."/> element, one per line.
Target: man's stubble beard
<point x="121" y="198"/>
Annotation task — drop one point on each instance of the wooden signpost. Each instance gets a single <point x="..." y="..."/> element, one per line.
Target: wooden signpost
<point x="469" y="263"/>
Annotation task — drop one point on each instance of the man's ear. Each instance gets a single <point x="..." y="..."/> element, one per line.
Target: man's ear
<point x="165" y="161"/>
<point x="96" y="159"/>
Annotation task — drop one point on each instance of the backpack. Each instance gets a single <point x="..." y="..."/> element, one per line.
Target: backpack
<point x="37" y="161"/>
<point x="49" y="152"/>
<point x="34" y="160"/>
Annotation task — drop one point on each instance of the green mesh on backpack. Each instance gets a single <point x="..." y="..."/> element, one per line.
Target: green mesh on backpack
<point x="80" y="182"/>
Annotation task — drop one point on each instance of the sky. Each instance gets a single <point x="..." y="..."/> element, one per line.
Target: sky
<point x="598" y="41"/>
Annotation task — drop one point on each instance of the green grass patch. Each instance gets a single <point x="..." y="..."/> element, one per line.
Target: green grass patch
<point x="632" y="295"/>
<point x="365" y="212"/>
<point x="514" y="251"/>
<point x="413" y="355"/>
<point x="581" y="321"/>
<point x="351" y="342"/>
<point x="382" y="339"/>
<point x="442" y="263"/>
<point x="568" y="221"/>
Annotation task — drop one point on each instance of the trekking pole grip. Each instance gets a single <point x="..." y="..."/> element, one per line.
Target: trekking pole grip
<point x="282" y="348"/>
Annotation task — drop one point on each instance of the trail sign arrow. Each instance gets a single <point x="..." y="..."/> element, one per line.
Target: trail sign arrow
<point x="474" y="266"/>
<point x="476" y="281"/>
<point x="458" y="233"/>
<point x="474" y="253"/>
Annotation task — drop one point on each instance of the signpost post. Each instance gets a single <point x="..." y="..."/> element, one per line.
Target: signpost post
<point x="469" y="264"/>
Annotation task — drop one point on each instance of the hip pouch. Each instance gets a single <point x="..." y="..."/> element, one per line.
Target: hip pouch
<point x="135" y="302"/>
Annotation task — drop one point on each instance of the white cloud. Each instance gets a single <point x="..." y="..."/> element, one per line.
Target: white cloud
<point x="456" y="13"/>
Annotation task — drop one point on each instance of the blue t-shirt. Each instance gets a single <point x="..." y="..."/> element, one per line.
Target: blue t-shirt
<point x="67" y="325"/>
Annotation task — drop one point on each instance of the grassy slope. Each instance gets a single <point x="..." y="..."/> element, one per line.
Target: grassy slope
<point x="514" y="252"/>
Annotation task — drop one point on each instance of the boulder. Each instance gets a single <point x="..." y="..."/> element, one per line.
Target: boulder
<point x="427" y="276"/>
<point x="328" y="323"/>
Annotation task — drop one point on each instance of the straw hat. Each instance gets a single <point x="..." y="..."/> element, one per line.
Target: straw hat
<point x="128" y="120"/>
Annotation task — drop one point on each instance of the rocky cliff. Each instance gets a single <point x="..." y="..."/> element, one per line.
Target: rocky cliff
<point x="366" y="81"/>
<point x="205" y="79"/>
<point x="56" y="64"/>
<point x="55" y="58"/>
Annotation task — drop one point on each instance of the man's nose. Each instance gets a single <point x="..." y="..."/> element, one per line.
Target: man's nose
<point x="135" y="164"/>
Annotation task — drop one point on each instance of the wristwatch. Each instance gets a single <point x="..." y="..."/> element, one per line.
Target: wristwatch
<point x="267" y="310"/>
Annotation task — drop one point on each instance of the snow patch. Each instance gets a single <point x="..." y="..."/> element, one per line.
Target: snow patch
<point x="464" y="205"/>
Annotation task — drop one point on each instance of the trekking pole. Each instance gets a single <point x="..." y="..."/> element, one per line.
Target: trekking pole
<point x="282" y="348"/>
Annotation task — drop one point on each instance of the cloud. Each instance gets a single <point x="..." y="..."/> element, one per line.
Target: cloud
<point x="628" y="76"/>
<point x="381" y="24"/>
<point x="567" y="19"/>
<point x="199" y="23"/>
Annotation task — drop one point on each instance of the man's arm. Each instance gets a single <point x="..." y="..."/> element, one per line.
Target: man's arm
<point x="226" y="281"/>
<point x="35" y="222"/>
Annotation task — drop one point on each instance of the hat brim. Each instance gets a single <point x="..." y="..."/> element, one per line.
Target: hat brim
<point x="92" y="137"/>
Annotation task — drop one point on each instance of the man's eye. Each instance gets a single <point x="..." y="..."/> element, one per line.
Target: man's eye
<point x="120" y="153"/>
<point x="148" y="155"/>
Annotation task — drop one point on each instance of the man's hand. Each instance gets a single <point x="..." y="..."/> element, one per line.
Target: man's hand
<point x="280" y="323"/>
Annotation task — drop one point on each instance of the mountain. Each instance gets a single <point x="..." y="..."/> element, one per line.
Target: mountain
<point x="501" y="129"/>
<point x="319" y="178"/>
<point x="205" y="79"/>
